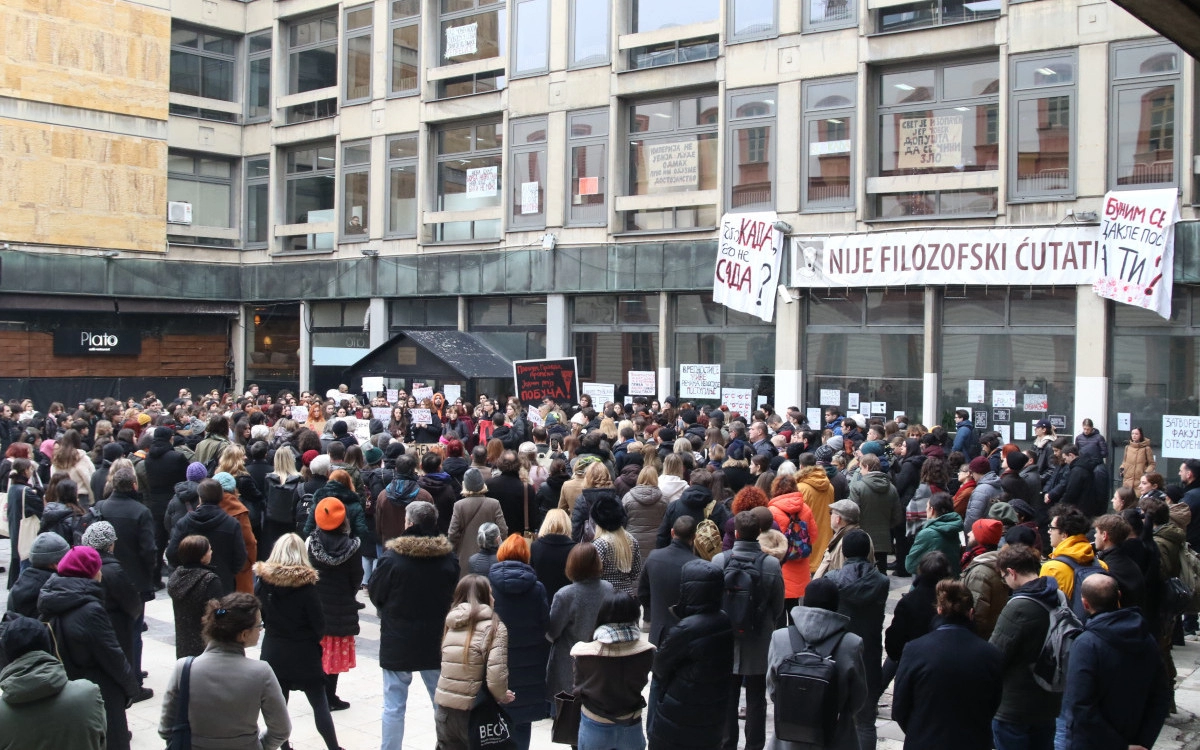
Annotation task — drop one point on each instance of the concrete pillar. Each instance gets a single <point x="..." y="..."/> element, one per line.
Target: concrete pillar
<point x="378" y="313"/>
<point x="666" y="346"/>
<point x="789" y="343"/>
<point x="238" y="345"/>
<point x="305" y="346"/>
<point x="558" y="329"/>
<point x="463" y="314"/>
<point x="1091" y="356"/>
<point x="931" y="388"/>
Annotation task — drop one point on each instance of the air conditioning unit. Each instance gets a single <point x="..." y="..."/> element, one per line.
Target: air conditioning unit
<point x="179" y="212"/>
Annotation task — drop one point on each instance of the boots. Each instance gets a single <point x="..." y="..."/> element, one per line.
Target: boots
<point x="335" y="703"/>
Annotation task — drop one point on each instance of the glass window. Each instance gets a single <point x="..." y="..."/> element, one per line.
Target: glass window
<point x="744" y="345"/>
<point x="472" y="30"/>
<point x="258" y="215"/>
<point x="981" y="202"/>
<point x="828" y="132"/>
<point x="587" y="142"/>
<point x="202" y="64"/>
<point x="672" y="149"/>
<point x="204" y="182"/>
<point x="406" y="38"/>
<point x="356" y="191"/>
<point x="468" y="178"/>
<point x="829" y="14"/>
<point x="358" y="54"/>
<point x="258" y="78"/>
<point x="312" y="53"/>
<point x="590" y="25"/>
<point x="1145" y="86"/>
<point x="309" y="197"/>
<point x="652" y="15"/>
<point x="925" y="13"/>
<point x="527" y="174"/>
<point x="674" y="52"/>
<point x="751" y="19"/>
<point x="751" y="175"/>
<point x="474" y="83"/>
<point x="1042" y="137"/>
<point x="531" y="47"/>
<point x="402" y="185"/>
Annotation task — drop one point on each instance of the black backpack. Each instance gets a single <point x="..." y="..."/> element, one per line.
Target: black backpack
<point x="806" y="693"/>
<point x="281" y="500"/>
<point x="304" y="509"/>
<point x="744" y="599"/>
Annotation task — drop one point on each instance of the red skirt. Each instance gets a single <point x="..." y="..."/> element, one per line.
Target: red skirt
<point x="337" y="653"/>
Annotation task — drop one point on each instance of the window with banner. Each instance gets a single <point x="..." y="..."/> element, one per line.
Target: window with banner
<point x="708" y="333"/>
<point x="866" y="345"/>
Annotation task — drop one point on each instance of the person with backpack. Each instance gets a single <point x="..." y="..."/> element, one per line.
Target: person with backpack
<point x="1025" y="718"/>
<point x="1072" y="558"/>
<point x="223" y="532"/>
<point x="815" y="675"/>
<point x="283" y="497"/>
<point x="795" y="520"/>
<point x="400" y="492"/>
<point x="948" y="685"/>
<point x="965" y="439"/>
<point x="696" y="501"/>
<point x="754" y="601"/>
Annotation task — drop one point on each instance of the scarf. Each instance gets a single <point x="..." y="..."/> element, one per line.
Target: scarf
<point x="621" y="632"/>
<point x="971" y="554"/>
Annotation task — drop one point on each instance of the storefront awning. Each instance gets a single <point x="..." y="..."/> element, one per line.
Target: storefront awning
<point x="433" y="354"/>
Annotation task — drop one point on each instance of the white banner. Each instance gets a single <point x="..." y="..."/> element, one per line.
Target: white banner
<point x="421" y="416"/>
<point x="930" y="142"/>
<point x="300" y="414"/>
<point x="601" y="394"/>
<point x="372" y="384"/>
<point x="737" y="399"/>
<point x="481" y="182"/>
<point x="1137" y="248"/>
<point x="452" y="393"/>
<point x="642" y="383"/>
<point x="1001" y="256"/>
<point x="420" y="394"/>
<point x="382" y="413"/>
<point x="700" y="381"/>
<point x="534" y="417"/>
<point x="672" y="166"/>
<point x="1181" y="436"/>
<point x="748" y="260"/>
<point x="461" y="40"/>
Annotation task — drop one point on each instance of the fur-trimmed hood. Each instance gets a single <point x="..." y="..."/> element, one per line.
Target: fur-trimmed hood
<point x="420" y="546"/>
<point x="285" y="576"/>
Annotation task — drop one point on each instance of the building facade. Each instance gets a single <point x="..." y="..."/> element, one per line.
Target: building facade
<point x="286" y="185"/>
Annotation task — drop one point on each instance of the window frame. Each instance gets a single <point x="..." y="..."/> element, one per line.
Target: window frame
<point x="810" y="115"/>
<point x="396" y="23"/>
<point x="478" y="7"/>
<point x="401" y="162"/>
<point x="1017" y="95"/>
<point x="734" y="124"/>
<point x="605" y="180"/>
<point x="514" y="43"/>
<point x="349" y="34"/>
<point x="195" y="176"/>
<point x="289" y="177"/>
<point x="252" y="57"/>
<point x="808" y="26"/>
<point x="1132" y="83"/>
<point x="290" y="49"/>
<point x="572" y="64"/>
<point x="346" y="169"/>
<point x="516" y="220"/>
<point x="253" y="181"/>
<point x="435" y="183"/>
<point x="732" y="37"/>
<point x="204" y="54"/>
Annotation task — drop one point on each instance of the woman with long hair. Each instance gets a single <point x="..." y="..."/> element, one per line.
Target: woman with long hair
<point x="70" y="460"/>
<point x="233" y="462"/>
<point x="494" y="450"/>
<point x="283" y="486"/>
<point x="295" y="624"/>
<point x="23" y="501"/>
<point x="620" y="554"/>
<point x="1138" y="458"/>
<point x="191" y="585"/>
<point x="63" y="514"/>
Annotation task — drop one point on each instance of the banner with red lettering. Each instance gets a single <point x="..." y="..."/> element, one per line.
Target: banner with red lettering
<point x="748" y="260"/>
<point x="993" y="256"/>
<point x="1137" y="248"/>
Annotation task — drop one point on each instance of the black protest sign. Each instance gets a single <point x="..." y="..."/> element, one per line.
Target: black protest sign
<point x="538" y="379"/>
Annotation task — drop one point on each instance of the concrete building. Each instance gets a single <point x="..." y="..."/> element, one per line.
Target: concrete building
<point x="269" y="191"/>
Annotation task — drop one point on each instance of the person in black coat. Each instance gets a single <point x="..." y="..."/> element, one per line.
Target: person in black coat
<point x="23" y="501"/>
<point x="548" y="553"/>
<point x="337" y="557"/>
<point x="442" y="488"/>
<point x="914" y="613"/>
<point x="693" y="664"/>
<point x="692" y="502"/>
<point x="658" y="584"/>
<point x="165" y="467"/>
<point x="292" y="627"/>
<point x="412" y="588"/>
<point x="516" y="497"/>
<point x="122" y="601"/>
<point x="948" y="685"/>
<point x="48" y="548"/>
<point x="222" y="531"/>
<point x="109" y="453"/>
<point x="72" y="603"/>
<point x="1111" y="532"/>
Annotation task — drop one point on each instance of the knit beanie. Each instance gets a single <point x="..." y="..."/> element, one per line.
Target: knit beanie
<point x="979" y="465"/>
<point x="821" y="594"/>
<point x="111" y="452"/>
<point x="80" y="562"/>
<point x="100" y="536"/>
<point x="48" y="548"/>
<point x="856" y="544"/>
<point x="308" y="457"/>
<point x="226" y="480"/>
<point x="1017" y="460"/>
<point x="473" y="481"/>
<point x="987" y="531"/>
<point x="196" y="472"/>
<point x="372" y="455"/>
<point x="608" y="513"/>
<point x="320" y="466"/>
<point x="24" y="634"/>
<point x="330" y="514"/>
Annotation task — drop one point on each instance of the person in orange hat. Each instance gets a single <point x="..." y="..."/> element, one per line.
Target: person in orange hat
<point x="337" y="557"/>
<point x="983" y="577"/>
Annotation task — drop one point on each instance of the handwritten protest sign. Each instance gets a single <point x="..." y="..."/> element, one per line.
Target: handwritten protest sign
<point x="420" y="416"/>
<point x="672" y="166"/>
<point x="748" y="257"/>
<point x="1137" y="248"/>
<point x="534" y="417"/>
<point x="372" y="384"/>
<point x="382" y="413"/>
<point x="1181" y="436"/>
<point x="420" y="394"/>
<point x="930" y="142"/>
<point x="481" y="181"/>
<point x="642" y="383"/>
<point x="300" y="414"/>
<point x="601" y="393"/>
<point x="453" y="393"/>
<point x="737" y="399"/>
<point x="555" y="379"/>
<point x="462" y="40"/>
<point x="700" y="381"/>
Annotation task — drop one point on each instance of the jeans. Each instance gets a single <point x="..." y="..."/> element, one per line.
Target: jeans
<point x="395" y="700"/>
<point x="368" y="564"/>
<point x="1061" y="737"/>
<point x="595" y="735"/>
<point x="652" y="703"/>
<point x="1012" y="736"/>
<point x="756" y="712"/>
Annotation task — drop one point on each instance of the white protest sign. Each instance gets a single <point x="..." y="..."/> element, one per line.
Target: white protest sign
<point x="1035" y="402"/>
<point x="421" y="416"/>
<point x="1123" y="421"/>
<point x="601" y="393"/>
<point x="300" y="414"/>
<point x="930" y="142"/>
<point x="453" y="393"/>
<point x="831" y="397"/>
<point x="1181" y="436"/>
<point x="737" y="399"/>
<point x="1004" y="399"/>
<point x="481" y="182"/>
<point x="362" y="431"/>
<point x="749" y="253"/>
<point x="529" y="198"/>
<point x="420" y="394"/>
<point x="1137" y="248"/>
<point x="642" y="383"/>
<point x="975" y="390"/>
<point x="879" y="408"/>
<point x="672" y="166"/>
<point x="1019" y="430"/>
<point x="700" y="381"/>
<point x="814" y="416"/>
<point x="382" y="413"/>
<point x="372" y="384"/>
<point x="851" y="401"/>
<point x="461" y="40"/>
<point x="1004" y="432"/>
<point x="393" y="395"/>
<point x="534" y="417"/>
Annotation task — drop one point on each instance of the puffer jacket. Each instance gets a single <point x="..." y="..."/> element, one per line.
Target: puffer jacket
<point x="876" y="498"/>
<point x="796" y="573"/>
<point x="38" y="698"/>
<point x="944" y="534"/>
<point x="814" y="484"/>
<point x="487" y="657"/>
<point x="626" y="480"/>
<point x="1170" y="540"/>
<point x="692" y="503"/>
<point x="987" y="490"/>
<point x="338" y="561"/>
<point x="988" y="591"/>
<point x="1079" y="549"/>
<point x="862" y="596"/>
<point x="645" y="506"/>
<point x="292" y="623"/>
<point x="354" y="510"/>
<point x="1137" y="460"/>
<point x="521" y="603"/>
<point x="183" y="502"/>
<point x="1018" y="634"/>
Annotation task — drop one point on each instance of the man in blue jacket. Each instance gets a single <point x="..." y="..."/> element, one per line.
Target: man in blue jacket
<point x="965" y="439"/>
<point x="1115" y="696"/>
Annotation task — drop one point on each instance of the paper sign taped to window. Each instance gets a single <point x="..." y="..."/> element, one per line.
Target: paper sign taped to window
<point x="589" y="185"/>
<point x="930" y="142"/>
<point x="831" y="397"/>
<point x="529" y="198"/>
<point x="828" y="148"/>
<point x="672" y="166"/>
<point x="461" y="40"/>
<point x="642" y="383"/>
<point x="481" y="182"/>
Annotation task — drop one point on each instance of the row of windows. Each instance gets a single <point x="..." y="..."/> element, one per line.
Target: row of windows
<point x="929" y="119"/>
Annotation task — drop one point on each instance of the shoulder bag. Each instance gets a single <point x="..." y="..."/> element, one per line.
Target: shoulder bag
<point x="181" y="730"/>
<point x="28" y="530"/>
<point x="489" y="726"/>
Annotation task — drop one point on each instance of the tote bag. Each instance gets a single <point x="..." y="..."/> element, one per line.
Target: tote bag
<point x="488" y="725"/>
<point x="28" y="530"/>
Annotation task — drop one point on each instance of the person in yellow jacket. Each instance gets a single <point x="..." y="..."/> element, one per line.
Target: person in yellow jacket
<point x="1068" y="537"/>
<point x="814" y="485"/>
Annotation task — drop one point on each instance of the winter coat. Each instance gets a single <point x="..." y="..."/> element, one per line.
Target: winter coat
<point x="693" y="665"/>
<point x="481" y="563"/>
<point x="516" y="498"/>
<point x="244" y="579"/>
<point x="293" y="623"/>
<point x="443" y="492"/>
<point x="391" y="505"/>
<point x="190" y="588"/>
<point x="548" y="558"/>
<point x="43" y="710"/>
<point x="672" y="487"/>
<point x="1116" y="695"/>
<point x="834" y="558"/>
<point x="456" y="466"/>
<point x="798" y="572"/>
<point x="907" y="473"/>
<point x="1078" y="489"/>
<point x="1191" y="497"/>
<point x="1170" y="540"/>
<point x="583" y="511"/>
<point x="965" y="439"/>
<point x="987" y="491"/>
<point x="337" y="559"/>
<point x="929" y="700"/>
<point x="1019" y="633"/>
<point x="460" y="680"/>
<point x="165" y="467"/>
<point x="814" y="484"/>
<point x="1094" y="443"/>
<point x="81" y="474"/>
<point x="23" y="597"/>
<point x="212" y="446"/>
<point x="1138" y="459"/>
<point x="355" y="512"/>
<point x="569" y="493"/>
<point x="1130" y="580"/>
<point x="184" y="501"/>
<point x="645" y="507"/>
<point x="224" y="535"/>
<point x="658" y="586"/>
<point x="469" y="514"/>
<point x="626" y="479"/>
<point x="572" y="620"/>
<point x="1079" y="549"/>
<point x="819" y="627"/>
<point x="962" y="496"/>
<point x="412" y="587"/>
<point x="227" y="693"/>
<point x="750" y="648"/>
<point x="862" y="596"/>
<point x="876" y="498"/>
<point x="521" y="604"/>
<point x="944" y="534"/>
<point x="1033" y="484"/>
<point x="692" y="503"/>
<point x="988" y="591"/>
<point x="1015" y="486"/>
<point x="548" y="494"/>
<point x="136" y="547"/>
<point x="122" y="602"/>
<point x="913" y="616"/>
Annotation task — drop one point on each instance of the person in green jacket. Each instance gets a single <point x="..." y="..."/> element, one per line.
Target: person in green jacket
<point x="942" y="532"/>
<point x="41" y="709"/>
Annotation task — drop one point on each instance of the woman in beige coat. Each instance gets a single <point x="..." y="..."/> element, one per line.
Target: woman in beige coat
<point x="1138" y="458"/>
<point x="474" y="656"/>
<point x="472" y="511"/>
